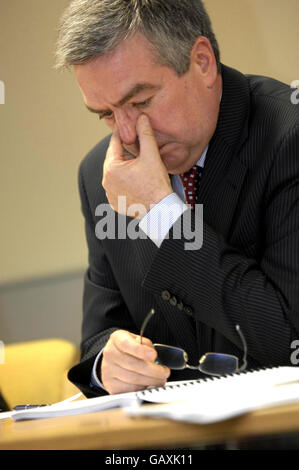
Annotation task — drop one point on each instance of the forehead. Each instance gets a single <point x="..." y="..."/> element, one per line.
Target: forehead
<point x="110" y="76"/>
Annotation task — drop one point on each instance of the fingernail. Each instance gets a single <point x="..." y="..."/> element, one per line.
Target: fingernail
<point x="151" y="355"/>
<point x="143" y="119"/>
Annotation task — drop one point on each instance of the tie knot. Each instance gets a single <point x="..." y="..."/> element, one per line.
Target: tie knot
<point x="190" y="181"/>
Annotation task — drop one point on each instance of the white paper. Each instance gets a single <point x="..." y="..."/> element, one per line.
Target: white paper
<point x="200" y="400"/>
<point x="210" y="409"/>
<point x="5" y="414"/>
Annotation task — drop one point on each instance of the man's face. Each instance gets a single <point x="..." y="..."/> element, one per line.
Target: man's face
<point x="183" y="111"/>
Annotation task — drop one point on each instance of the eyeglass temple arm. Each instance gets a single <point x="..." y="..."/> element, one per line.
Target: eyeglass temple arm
<point x="145" y="322"/>
<point x="244" y="365"/>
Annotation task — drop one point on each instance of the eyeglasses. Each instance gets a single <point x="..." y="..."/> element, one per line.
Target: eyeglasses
<point x="210" y="363"/>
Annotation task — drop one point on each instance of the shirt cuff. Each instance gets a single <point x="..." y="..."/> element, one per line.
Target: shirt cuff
<point x="159" y="220"/>
<point x="94" y="382"/>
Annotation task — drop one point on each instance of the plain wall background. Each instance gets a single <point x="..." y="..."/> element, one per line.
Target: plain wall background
<point x="45" y="131"/>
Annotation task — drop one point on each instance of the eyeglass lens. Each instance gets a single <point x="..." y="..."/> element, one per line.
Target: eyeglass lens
<point x="218" y="364"/>
<point x="174" y="358"/>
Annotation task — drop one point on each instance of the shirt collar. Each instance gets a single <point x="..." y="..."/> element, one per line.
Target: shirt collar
<point x="201" y="161"/>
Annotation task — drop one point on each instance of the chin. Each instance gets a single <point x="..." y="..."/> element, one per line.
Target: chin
<point x="170" y="162"/>
<point x="174" y="163"/>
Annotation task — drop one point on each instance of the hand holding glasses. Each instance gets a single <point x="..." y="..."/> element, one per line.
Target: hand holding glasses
<point x="210" y="363"/>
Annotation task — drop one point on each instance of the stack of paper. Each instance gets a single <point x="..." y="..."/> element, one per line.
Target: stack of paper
<point x="199" y="401"/>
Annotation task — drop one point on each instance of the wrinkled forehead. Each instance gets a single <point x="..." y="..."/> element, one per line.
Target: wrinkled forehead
<point x="111" y="76"/>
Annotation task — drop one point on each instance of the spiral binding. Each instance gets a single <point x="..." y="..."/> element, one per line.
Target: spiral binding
<point x="187" y="383"/>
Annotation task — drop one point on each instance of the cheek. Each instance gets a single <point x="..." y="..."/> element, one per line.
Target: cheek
<point x="179" y="117"/>
<point x="168" y="122"/>
<point x="109" y="123"/>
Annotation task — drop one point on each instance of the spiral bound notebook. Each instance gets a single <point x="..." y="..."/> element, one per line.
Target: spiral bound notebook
<point x="204" y="400"/>
<point x="218" y="399"/>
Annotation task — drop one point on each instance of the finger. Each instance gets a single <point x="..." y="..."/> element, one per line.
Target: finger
<point x="127" y="344"/>
<point x="115" y="149"/>
<point x="142" y="339"/>
<point x="118" y="378"/>
<point x="147" y="141"/>
<point x="126" y="334"/>
<point x="133" y="377"/>
<point x="131" y="364"/>
<point x="115" y="386"/>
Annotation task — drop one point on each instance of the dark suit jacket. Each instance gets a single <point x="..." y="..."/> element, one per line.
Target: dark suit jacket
<point x="247" y="271"/>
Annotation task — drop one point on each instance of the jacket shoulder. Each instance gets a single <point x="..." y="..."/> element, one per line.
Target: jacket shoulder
<point x="272" y="101"/>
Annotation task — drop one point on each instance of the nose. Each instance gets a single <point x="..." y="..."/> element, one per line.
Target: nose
<point x="126" y="124"/>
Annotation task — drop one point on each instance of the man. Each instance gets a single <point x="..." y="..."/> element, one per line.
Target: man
<point x="151" y="70"/>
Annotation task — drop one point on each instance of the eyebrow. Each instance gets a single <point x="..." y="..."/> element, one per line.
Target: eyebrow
<point x="133" y="92"/>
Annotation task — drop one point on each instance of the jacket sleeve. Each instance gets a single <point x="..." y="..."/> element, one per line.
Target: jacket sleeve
<point x="103" y="305"/>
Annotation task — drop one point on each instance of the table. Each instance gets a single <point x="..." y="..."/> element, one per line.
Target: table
<point x="113" y="429"/>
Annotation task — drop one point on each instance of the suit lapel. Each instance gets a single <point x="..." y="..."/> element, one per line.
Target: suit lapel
<point x="223" y="172"/>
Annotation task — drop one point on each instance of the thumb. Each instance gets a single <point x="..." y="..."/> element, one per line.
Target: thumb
<point x="147" y="140"/>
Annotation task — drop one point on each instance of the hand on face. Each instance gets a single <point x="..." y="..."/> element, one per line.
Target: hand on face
<point x="127" y="365"/>
<point x="143" y="180"/>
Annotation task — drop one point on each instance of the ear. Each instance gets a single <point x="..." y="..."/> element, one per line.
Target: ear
<point x="203" y="60"/>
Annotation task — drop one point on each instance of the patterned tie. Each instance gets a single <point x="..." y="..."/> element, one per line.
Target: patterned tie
<point x="190" y="181"/>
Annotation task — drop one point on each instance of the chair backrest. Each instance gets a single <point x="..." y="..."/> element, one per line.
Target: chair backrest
<point x="35" y="372"/>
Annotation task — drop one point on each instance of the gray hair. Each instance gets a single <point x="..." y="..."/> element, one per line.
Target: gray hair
<point x="90" y="28"/>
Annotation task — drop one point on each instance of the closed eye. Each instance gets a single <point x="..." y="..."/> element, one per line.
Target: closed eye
<point x="142" y="104"/>
<point x="106" y="115"/>
<point x="139" y="105"/>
